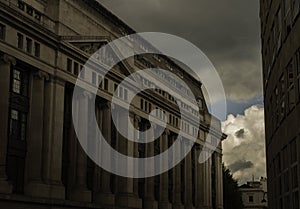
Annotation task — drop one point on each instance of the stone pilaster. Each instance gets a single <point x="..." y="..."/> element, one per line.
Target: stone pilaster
<point x="164" y="179"/>
<point x="200" y="180"/>
<point x="137" y="121"/>
<point x="97" y="170"/>
<point x="149" y="199"/>
<point x="188" y="179"/>
<point x="79" y="191"/>
<point x="51" y="185"/>
<point x="125" y="197"/>
<point x="6" y="64"/>
<point x="207" y="182"/>
<point x="177" y="186"/>
<point x="34" y="182"/>
<point x="219" y="180"/>
<point x="105" y="196"/>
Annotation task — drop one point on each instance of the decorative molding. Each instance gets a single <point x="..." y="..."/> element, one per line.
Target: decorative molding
<point x="42" y="75"/>
<point x="8" y="59"/>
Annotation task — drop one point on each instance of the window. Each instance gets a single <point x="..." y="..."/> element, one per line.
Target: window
<point x="296" y="200"/>
<point x="37" y="49"/>
<point x="19" y="83"/>
<point x="16" y="85"/>
<point x="106" y="84"/>
<point x="142" y="104"/>
<point x="20" y="41"/>
<point x="76" y="68"/>
<point x="21" y="5"/>
<point x="2" y="31"/>
<point x="29" y="10"/>
<point x="69" y="65"/>
<point x="17" y="131"/>
<point x="295" y="177"/>
<point x="251" y="199"/>
<point x="291" y="89"/>
<point x="37" y="15"/>
<point x="18" y="124"/>
<point x="28" y="45"/>
<point x="293" y="146"/>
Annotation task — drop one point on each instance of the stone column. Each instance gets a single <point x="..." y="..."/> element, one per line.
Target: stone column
<point x="6" y="64"/>
<point x="177" y="179"/>
<point x="164" y="179"/>
<point x="97" y="169"/>
<point x="219" y="180"/>
<point x="34" y="185"/>
<point x="80" y="192"/>
<point x="188" y="179"/>
<point x="105" y="197"/>
<point x="200" y="172"/>
<point x="149" y="199"/>
<point x="53" y="139"/>
<point x="207" y="177"/>
<point x="137" y="121"/>
<point x="126" y="197"/>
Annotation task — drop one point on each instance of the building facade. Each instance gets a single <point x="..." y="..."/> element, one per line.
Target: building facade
<point x="44" y="46"/>
<point x="280" y="27"/>
<point x="254" y="194"/>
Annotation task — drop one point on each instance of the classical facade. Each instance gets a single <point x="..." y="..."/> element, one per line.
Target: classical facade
<point x="254" y="194"/>
<point x="44" y="46"/>
<point x="280" y="26"/>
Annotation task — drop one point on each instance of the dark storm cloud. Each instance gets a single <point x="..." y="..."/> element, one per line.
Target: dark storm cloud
<point x="227" y="31"/>
<point x="240" y="165"/>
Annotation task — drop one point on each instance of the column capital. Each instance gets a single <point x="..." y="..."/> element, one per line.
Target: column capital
<point x="42" y="75"/>
<point x="106" y="105"/>
<point x="56" y="80"/>
<point x="8" y="59"/>
<point x="84" y="95"/>
<point x="166" y="132"/>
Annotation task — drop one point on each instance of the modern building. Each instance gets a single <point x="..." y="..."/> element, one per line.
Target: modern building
<point x="280" y="33"/>
<point x="43" y="47"/>
<point x="254" y="194"/>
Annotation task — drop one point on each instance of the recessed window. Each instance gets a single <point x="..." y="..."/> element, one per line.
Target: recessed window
<point x="251" y="199"/>
<point x="76" y="68"/>
<point x="21" y="5"/>
<point x="20" y="40"/>
<point x="2" y="31"/>
<point x="37" y="15"/>
<point x="37" y="49"/>
<point x="29" y="10"/>
<point x="106" y="84"/>
<point x="69" y="65"/>
<point x="16" y="85"/>
<point x="18" y="125"/>
<point x="28" y="45"/>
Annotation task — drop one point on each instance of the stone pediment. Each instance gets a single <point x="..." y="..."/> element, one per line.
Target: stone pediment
<point x="90" y="45"/>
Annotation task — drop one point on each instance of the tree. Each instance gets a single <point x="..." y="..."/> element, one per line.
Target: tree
<point x="232" y="195"/>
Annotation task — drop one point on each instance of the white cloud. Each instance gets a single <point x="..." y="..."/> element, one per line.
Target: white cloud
<point x="244" y="148"/>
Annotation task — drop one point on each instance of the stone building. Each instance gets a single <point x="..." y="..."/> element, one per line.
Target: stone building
<point x="280" y="28"/>
<point x="44" y="46"/>
<point x="254" y="194"/>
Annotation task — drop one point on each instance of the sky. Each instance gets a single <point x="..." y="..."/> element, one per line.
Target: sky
<point x="228" y="32"/>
